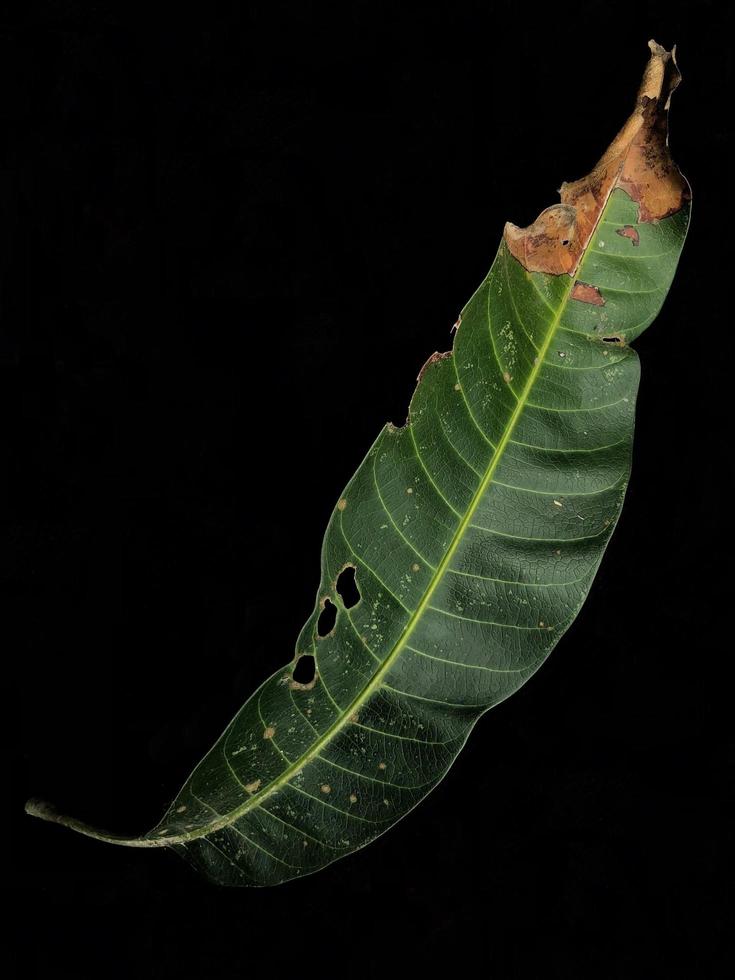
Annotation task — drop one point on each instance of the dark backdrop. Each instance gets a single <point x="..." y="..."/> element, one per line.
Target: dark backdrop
<point x="231" y="237"/>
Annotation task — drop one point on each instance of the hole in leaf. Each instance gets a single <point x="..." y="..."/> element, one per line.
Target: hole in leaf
<point x="347" y="587"/>
<point x="565" y="241"/>
<point x="612" y="340"/>
<point x="305" y="669"/>
<point x="327" y="618"/>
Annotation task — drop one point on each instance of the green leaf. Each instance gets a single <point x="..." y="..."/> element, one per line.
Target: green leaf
<point x="473" y="533"/>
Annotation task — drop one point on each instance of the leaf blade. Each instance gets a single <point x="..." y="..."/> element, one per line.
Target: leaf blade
<point x="475" y="531"/>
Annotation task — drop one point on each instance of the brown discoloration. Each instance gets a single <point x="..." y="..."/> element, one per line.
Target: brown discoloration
<point x="381" y="765"/>
<point x="628" y="231"/>
<point x="253" y="787"/>
<point x="638" y="161"/>
<point x="434" y="359"/>
<point x="540" y="247"/>
<point x="587" y="294"/>
<point x="297" y="685"/>
<point x="269" y="732"/>
<point x="325" y="788"/>
<point x="341" y="504"/>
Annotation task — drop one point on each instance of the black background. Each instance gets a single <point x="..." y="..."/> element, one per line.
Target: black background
<point x="230" y="239"/>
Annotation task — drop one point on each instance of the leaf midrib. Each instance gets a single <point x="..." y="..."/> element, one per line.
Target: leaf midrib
<point x="257" y="798"/>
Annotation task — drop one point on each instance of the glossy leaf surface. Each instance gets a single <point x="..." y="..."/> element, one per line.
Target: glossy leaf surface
<point x="470" y="536"/>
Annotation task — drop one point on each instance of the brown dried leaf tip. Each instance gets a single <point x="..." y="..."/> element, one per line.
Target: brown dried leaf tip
<point x="637" y="160"/>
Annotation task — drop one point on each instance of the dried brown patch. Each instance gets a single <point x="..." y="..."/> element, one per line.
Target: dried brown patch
<point x="341" y="504"/>
<point x="638" y="161"/>
<point x="297" y="686"/>
<point x="587" y="294"/>
<point x="434" y="359"/>
<point x="325" y="788"/>
<point x="628" y="231"/>
<point x="253" y="787"/>
<point x="269" y="732"/>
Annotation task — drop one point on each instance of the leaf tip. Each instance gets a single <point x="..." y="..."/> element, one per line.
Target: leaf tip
<point x="637" y="161"/>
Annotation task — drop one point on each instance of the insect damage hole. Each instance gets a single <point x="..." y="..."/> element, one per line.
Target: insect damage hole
<point x="347" y="587"/>
<point x="305" y="669"/>
<point x="327" y="618"/>
<point x="616" y="339"/>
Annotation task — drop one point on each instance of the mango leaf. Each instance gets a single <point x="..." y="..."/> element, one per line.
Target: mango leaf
<point x="464" y="545"/>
